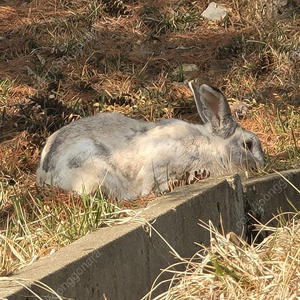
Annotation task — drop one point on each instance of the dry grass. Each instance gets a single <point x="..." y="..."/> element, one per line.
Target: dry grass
<point x="35" y="224"/>
<point x="63" y="60"/>
<point x="28" y="285"/>
<point x="230" y="268"/>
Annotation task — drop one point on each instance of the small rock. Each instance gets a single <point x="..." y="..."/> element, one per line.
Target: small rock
<point x="140" y="54"/>
<point x="281" y="3"/>
<point x="214" y="12"/>
<point x="273" y="8"/>
<point x="239" y="109"/>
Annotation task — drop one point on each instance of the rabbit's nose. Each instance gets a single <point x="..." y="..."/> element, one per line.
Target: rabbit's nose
<point x="259" y="161"/>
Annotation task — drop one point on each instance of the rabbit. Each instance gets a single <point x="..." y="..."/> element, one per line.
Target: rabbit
<point x="127" y="158"/>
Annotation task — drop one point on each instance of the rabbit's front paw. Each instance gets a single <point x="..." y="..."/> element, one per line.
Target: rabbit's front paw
<point x="189" y="178"/>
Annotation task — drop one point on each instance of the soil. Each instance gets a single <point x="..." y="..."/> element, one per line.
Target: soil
<point x="61" y="61"/>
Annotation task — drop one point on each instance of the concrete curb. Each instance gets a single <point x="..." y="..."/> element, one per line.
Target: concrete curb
<point x="122" y="262"/>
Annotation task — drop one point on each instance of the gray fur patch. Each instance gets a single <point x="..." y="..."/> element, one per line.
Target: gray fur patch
<point x="49" y="160"/>
<point x="143" y="129"/>
<point x="134" y="132"/>
<point x="78" y="160"/>
<point x="75" y="162"/>
<point x="102" y="150"/>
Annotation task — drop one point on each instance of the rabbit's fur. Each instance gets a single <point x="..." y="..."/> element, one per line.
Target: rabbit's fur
<point x="127" y="157"/>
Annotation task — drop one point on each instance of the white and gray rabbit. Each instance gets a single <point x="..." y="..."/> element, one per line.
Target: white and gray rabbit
<point x="126" y="157"/>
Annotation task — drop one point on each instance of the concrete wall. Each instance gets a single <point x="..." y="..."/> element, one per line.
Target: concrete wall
<point x="122" y="262"/>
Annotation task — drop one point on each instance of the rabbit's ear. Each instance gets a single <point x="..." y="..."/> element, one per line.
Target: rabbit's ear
<point x="199" y="104"/>
<point x="213" y="108"/>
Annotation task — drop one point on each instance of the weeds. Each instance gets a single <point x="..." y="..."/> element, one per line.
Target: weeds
<point x="230" y="268"/>
<point x="34" y="223"/>
<point x="5" y="86"/>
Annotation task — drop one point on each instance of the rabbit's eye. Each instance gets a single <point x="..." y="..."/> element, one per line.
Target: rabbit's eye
<point x="248" y="145"/>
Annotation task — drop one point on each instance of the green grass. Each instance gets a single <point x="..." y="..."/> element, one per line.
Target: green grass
<point x="34" y="223"/>
<point x="5" y="86"/>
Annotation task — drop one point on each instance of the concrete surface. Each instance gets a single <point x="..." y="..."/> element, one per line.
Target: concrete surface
<point x="122" y="262"/>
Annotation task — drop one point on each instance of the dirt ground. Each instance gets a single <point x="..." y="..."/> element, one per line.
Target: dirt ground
<point x="63" y="60"/>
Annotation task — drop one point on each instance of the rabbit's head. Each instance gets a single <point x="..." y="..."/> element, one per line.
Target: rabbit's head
<point x="242" y="147"/>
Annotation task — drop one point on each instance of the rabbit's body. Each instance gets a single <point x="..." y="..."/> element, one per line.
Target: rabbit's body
<point x="127" y="157"/>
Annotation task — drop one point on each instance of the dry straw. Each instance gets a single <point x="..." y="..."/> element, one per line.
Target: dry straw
<point x="230" y="268"/>
<point x="5" y="282"/>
